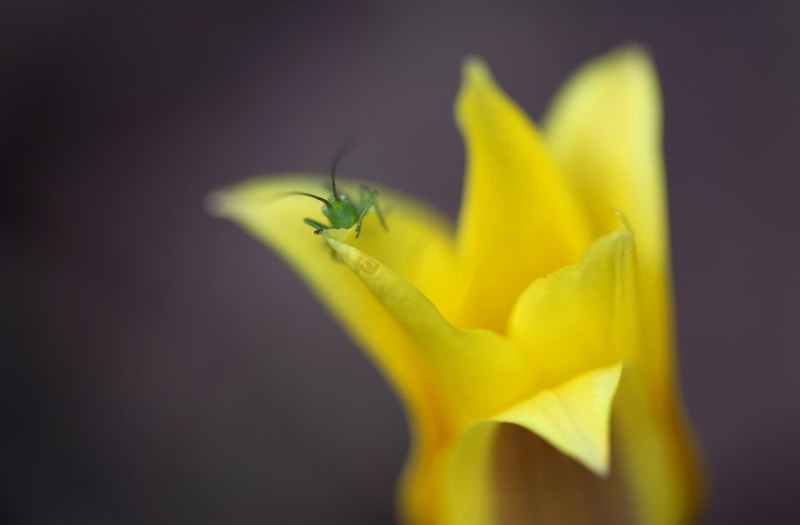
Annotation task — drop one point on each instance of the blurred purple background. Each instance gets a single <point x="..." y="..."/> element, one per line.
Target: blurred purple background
<point x="160" y="366"/>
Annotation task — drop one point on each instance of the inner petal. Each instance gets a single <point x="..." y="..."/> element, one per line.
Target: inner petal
<point x="518" y="219"/>
<point x="581" y="316"/>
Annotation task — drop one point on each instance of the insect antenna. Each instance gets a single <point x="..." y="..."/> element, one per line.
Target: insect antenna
<point x="321" y="199"/>
<point x="343" y="150"/>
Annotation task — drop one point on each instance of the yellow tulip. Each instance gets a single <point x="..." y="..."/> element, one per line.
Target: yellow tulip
<point x="548" y="308"/>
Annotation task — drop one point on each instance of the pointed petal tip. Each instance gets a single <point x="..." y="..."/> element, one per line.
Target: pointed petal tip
<point x="229" y="203"/>
<point x="360" y="263"/>
<point x="343" y="250"/>
<point x="474" y="70"/>
<point x="632" y="52"/>
<point x="634" y="60"/>
<point x="218" y="204"/>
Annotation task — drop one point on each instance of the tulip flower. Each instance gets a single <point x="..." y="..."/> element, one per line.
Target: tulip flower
<point x="541" y="323"/>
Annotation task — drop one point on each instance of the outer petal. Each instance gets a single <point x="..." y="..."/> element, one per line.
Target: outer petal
<point x="605" y="130"/>
<point x="518" y="218"/>
<point x="262" y="207"/>
<point x="468" y="481"/>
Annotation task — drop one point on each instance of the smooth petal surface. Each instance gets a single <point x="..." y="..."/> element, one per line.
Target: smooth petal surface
<point x="580" y="317"/>
<point x="604" y="128"/>
<point x="468" y="478"/>
<point x="518" y="219"/>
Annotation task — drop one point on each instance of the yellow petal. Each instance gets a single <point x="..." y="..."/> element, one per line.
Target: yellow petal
<point x="469" y="479"/>
<point x="581" y="317"/>
<point x="665" y="486"/>
<point x="518" y="219"/>
<point x="573" y="417"/>
<point x="262" y="207"/>
<point x="605" y="130"/>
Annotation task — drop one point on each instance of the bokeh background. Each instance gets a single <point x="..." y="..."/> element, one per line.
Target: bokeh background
<point x="160" y="366"/>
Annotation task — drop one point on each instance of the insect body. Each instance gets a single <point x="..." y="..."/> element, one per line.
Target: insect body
<point x="340" y="209"/>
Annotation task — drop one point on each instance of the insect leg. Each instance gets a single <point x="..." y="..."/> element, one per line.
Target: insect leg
<point x="318" y="226"/>
<point x="366" y="192"/>
<point x="365" y="206"/>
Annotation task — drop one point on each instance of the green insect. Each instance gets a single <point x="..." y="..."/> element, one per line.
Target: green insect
<point x="340" y="209"/>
